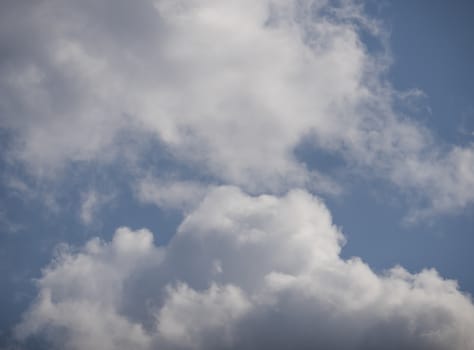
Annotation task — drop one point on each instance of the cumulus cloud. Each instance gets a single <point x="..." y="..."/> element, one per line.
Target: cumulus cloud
<point x="230" y="87"/>
<point x="242" y="272"/>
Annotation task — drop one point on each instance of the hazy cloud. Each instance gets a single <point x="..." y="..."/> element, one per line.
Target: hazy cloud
<point x="91" y="203"/>
<point x="172" y="194"/>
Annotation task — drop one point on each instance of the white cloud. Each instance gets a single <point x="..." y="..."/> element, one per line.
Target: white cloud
<point x="281" y="283"/>
<point x="230" y="87"/>
<point x="195" y="319"/>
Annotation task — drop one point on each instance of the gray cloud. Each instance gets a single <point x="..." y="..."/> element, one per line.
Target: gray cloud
<point x="242" y="272"/>
<point x="174" y="194"/>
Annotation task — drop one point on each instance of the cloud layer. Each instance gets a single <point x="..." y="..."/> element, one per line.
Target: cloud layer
<point x="231" y="88"/>
<point x="242" y="272"/>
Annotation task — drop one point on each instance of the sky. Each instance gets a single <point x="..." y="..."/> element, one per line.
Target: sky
<point x="208" y="174"/>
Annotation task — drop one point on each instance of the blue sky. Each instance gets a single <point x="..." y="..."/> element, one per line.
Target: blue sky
<point x="247" y="138"/>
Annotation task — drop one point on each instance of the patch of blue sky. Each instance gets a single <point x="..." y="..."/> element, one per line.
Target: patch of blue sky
<point x="433" y="50"/>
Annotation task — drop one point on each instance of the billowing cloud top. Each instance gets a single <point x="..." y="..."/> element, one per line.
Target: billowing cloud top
<point x="228" y="90"/>
<point x="243" y="273"/>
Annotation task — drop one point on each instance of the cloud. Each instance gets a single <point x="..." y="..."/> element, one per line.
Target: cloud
<point x="229" y="90"/>
<point x="172" y="194"/>
<point x="8" y="226"/>
<point x="91" y="202"/>
<point x="228" y="87"/>
<point x="242" y="272"/>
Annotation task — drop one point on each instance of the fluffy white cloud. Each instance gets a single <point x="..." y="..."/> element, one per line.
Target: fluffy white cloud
<point x="243" y="272"/>
<point x="228" y="86"/>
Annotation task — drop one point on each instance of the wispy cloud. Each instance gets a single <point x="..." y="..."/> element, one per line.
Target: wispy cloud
<point x="91" y="203"/>
<point x="171" y="194"/>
